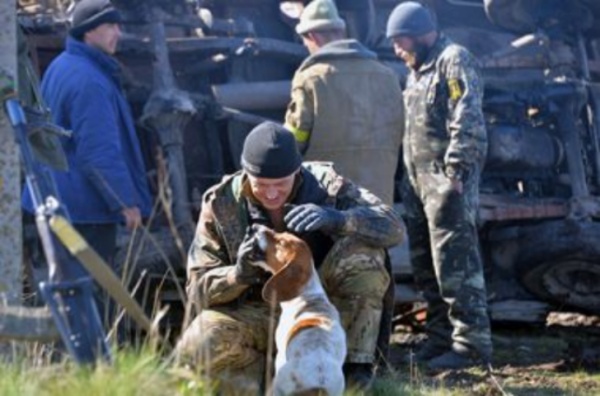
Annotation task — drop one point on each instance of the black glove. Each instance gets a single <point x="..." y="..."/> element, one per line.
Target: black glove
<point x="311" y="217"/>
<point x="246" y="272"/>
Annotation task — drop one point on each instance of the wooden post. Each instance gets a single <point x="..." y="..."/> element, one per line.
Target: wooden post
<point x="11" y="249"/>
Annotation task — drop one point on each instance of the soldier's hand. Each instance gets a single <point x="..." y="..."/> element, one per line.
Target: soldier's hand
<point x="246" y="271"/>
<point x="311" y="217"/>
<point x="133" y="217"/>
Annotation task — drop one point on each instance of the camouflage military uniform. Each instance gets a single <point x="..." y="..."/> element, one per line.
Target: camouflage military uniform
<point x="445" y="138"/>
<point x="230" y="334"/>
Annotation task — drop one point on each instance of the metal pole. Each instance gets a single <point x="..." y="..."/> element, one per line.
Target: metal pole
<point x="248" y="96"/>
<point x="11" y="249"/>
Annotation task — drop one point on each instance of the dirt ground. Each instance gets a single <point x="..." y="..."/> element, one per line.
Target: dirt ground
<point x="560" y="357"/>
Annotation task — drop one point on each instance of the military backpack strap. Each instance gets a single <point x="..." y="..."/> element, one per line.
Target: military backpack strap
<point x="231" y="213"/>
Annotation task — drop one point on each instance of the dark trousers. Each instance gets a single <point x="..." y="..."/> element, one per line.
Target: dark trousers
<point x="103" y="239"/>
<point x="446" y="261"/>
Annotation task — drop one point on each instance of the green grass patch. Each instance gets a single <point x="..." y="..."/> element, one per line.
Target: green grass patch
<point x="146" y="373"/>
<point x="132" y="373"/>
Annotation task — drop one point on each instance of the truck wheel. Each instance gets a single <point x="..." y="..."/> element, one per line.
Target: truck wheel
<point x="516" y="16"/>
<point x="559" y="261"/>
<point x="527" y="16"/>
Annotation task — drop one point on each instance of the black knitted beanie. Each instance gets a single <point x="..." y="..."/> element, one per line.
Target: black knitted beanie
<point x="270" y="152"/>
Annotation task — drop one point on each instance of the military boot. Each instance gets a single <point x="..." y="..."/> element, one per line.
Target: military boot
<point x="425" y="352"/>
<point x="359" y="376"/>
<point x="458" y="360"/>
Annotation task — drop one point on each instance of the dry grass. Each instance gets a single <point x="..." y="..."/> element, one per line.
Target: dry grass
<point x="528" y="361"/>
<point x="148" y="373"/>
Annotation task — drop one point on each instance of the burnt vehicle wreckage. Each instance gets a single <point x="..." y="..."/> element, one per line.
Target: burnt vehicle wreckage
<point x="201" y="74"/>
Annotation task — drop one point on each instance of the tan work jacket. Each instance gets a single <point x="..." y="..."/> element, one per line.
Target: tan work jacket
<point x="347" y="108"/>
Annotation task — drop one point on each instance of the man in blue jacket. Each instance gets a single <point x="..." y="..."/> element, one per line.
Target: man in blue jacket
<point x="106" y="181"/>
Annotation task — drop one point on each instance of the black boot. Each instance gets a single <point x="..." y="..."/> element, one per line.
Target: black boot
<point x="425" y="352"/>
<point x="359" y="376"/>
<point x="458" y="360"/>
<point x="430" y="350"/>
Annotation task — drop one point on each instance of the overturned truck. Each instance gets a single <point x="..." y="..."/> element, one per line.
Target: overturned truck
<point x="201" y="74"/>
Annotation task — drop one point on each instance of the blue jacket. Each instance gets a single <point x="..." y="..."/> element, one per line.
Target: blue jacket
<point x="106" y="170"/>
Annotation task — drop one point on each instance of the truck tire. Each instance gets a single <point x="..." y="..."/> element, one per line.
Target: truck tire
<point x="527" y="16"/>
<point x="515" y="16"/>
<point x="559" y="261"/>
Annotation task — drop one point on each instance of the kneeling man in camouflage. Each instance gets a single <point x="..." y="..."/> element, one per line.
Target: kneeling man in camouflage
<point x="347" y="229"/>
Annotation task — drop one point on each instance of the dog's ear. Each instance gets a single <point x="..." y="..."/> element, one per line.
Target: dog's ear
<point x="288" y="283"/>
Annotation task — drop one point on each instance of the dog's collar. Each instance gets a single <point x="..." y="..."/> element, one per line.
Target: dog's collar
<point x="304" y="324"/>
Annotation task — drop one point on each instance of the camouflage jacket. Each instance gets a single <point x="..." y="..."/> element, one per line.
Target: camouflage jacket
<point x="226" y="214"/>
<point x="444" y="122"/>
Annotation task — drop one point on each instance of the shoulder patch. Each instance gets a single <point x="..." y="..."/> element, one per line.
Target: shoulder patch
<point x="454" y="86"/>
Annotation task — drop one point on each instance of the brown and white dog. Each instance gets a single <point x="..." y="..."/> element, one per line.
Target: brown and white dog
<point x="311" y="343"/>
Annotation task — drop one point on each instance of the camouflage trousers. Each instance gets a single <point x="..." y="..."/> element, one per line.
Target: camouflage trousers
<point x="446" y="260"/>
<point x="231" y="341"/>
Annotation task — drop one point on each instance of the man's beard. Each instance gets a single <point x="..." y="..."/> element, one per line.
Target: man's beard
<point x="415" y="58"/>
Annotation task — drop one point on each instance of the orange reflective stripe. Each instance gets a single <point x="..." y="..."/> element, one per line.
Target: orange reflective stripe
<point x="303" y="324"/>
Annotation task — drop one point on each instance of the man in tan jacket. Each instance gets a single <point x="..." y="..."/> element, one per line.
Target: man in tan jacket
<point x="345" y="106"/>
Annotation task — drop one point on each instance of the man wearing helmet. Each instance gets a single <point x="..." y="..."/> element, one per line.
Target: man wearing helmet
<point x="444" y="149"/>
